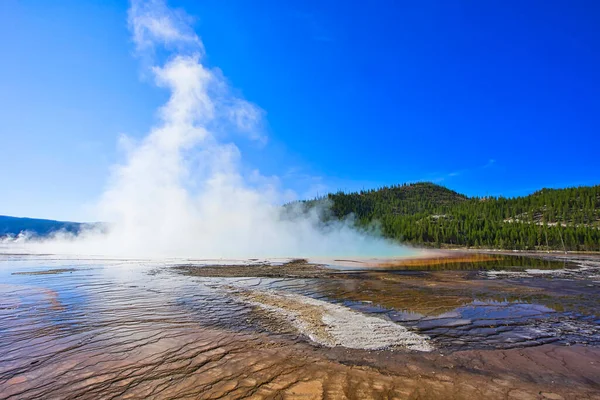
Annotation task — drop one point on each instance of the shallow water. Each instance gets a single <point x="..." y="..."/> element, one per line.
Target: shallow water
<point x="98" y="327"/>
<point x="457" y="262"/>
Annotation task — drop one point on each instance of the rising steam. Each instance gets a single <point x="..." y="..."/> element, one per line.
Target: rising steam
<point x="181" y="191"/>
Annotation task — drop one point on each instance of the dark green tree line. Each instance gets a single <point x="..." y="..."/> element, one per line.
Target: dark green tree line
<point x="429" y="214"/>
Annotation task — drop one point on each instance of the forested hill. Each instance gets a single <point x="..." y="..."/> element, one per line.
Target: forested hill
<point x="429" y="214"/>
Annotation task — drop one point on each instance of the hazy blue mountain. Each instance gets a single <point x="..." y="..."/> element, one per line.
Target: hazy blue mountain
<point x="38" y="227"/>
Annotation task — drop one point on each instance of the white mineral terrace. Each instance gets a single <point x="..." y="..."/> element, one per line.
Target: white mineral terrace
<point x="335" y="325"/>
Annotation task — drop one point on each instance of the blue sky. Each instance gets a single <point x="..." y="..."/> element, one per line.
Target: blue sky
<point x="487" y="98"/>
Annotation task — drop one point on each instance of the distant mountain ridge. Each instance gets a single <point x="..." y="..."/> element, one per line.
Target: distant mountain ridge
<point x="14" y="226"/>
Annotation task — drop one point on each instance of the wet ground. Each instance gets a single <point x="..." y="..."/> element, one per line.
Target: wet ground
<point x="459" y="327"/>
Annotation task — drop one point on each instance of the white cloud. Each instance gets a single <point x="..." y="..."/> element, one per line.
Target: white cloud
<point x="152" y="23"/>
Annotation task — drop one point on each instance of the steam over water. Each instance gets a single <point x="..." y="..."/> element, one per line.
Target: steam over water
<point x="181" y="190"/>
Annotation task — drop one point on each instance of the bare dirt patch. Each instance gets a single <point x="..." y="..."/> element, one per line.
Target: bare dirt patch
<point x="298" y="268"/>
<point x="46" y="272"/>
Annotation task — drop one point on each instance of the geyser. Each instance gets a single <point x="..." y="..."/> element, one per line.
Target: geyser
<point x="180" y="191"/>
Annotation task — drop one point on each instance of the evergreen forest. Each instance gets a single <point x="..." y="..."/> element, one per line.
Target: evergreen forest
<point x="432" y="215"/>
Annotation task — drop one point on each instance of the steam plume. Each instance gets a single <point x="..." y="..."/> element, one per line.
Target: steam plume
<point x="180" y="191"/>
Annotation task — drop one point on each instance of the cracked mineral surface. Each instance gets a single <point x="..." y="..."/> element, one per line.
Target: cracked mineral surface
<point x="488" y="326"/>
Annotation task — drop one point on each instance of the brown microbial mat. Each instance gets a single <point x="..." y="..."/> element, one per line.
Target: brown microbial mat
<point x="466" y="326"/>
